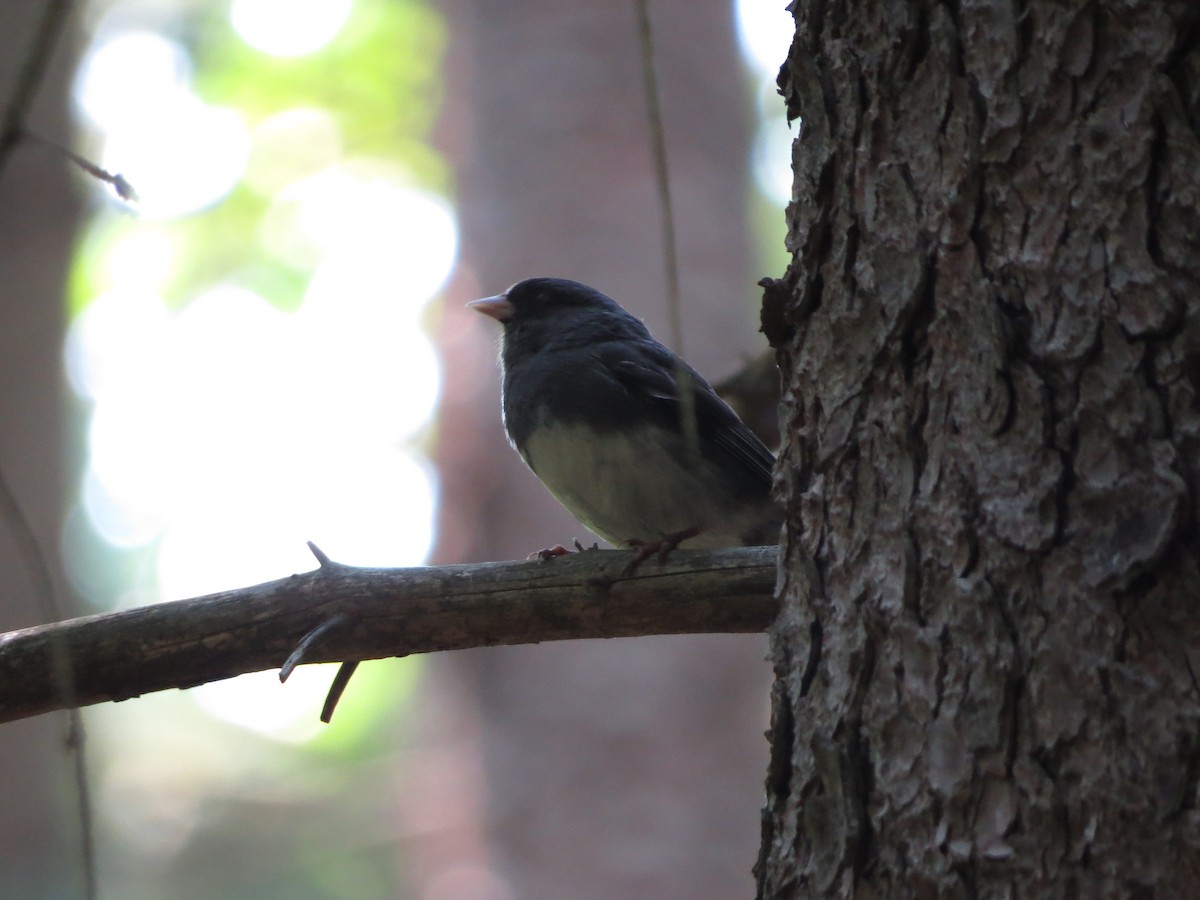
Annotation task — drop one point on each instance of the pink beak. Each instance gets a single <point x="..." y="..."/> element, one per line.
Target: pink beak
<point x="497" y="307"/>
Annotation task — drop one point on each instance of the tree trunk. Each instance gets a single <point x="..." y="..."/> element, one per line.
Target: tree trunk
<point x="39" y="213"/>
<point x="991" y="339"/>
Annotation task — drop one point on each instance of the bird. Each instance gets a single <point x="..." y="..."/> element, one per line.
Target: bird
<point x="626" y="435"/>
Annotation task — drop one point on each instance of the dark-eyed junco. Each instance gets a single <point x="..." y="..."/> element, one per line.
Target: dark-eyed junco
<point x="592" y="404"/>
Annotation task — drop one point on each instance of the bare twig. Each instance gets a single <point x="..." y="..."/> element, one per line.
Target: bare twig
<point x="119" y="182"/>
<point x="658" y="145"/>
<point x="389" y="612"/>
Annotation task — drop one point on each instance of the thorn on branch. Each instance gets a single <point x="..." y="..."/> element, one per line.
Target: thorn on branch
<point x="297" y="656"/>
<point x="340" y="680"/>
<point x="322" y="558"/>
<point x="333" y="623"/>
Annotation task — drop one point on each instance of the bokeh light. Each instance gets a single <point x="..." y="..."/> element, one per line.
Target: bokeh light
<point x="290" y="145"/>
<point x="180" y="153"/>
<point x="765" y="30"/>
<point x="289" y="27"/>
<point x="182" y="157"/>
<point x="127" y="73"/>
<point x="252" y="357"/>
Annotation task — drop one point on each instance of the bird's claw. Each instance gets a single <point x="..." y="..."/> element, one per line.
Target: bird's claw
<point x="548" y="553"/>
<point x="643" y="550"/>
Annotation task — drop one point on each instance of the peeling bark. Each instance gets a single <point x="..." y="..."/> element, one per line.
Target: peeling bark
<point x="990" y="621"/>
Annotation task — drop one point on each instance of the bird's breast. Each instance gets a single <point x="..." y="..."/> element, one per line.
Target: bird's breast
<point x="631" y="483"/>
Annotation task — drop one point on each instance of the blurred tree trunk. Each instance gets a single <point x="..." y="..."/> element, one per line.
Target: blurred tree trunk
<point x="991" y="327"/>
<point x="39" y="214"/>
<point x="620" y="768"/>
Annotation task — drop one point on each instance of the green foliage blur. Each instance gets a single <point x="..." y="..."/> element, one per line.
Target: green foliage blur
<point x="379" y="81"/>
<point x="189" y="804"/>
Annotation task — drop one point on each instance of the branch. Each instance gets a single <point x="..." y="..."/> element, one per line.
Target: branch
<point x="387" y="612"/>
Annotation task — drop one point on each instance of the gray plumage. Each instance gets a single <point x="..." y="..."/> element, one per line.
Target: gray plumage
<point x="590" y="401"/>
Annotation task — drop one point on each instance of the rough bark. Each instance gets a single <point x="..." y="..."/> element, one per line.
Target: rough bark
<point x="985" y="659"/>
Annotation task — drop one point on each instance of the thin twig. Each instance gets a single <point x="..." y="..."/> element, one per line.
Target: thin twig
<point x="119" y="182"/>
<point x="658" y="146"/>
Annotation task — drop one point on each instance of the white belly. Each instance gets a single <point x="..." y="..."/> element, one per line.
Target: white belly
<point x="629" y="487"/>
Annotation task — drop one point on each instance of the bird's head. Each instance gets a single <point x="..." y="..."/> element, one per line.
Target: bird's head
<point x="538" y="311"/>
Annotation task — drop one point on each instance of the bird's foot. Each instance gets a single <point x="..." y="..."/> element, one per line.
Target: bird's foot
<point x="643" y="550"/>
<point x="548" y="553"/>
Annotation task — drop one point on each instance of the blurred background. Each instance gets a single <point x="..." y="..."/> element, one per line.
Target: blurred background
<point x="271" y="347"/>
